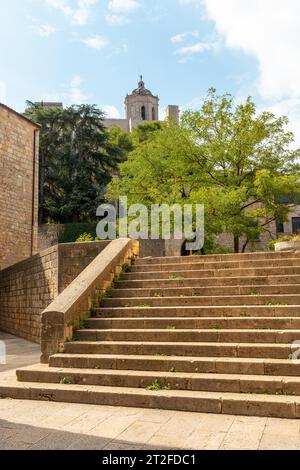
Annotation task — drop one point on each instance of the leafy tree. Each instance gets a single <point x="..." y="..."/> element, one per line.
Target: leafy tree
<point x="77" y="159"/>
<point x="237" y="162"/>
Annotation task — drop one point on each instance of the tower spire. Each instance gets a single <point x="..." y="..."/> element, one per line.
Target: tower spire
<point x="141" y="82"/>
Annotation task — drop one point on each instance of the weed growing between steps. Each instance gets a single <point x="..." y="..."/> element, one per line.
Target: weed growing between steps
<point x="156" y="386"/>
<point x="126" y="268"/>
<point x="67" y="381"/>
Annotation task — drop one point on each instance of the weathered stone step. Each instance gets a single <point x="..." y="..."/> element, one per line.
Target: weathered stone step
<point x="165" y="380"/>
<point x="184" y="400"/>
<point x="209" y="365"/>
<point x="195" y="264"/>
<point x="209" y="290"/>
<point x="212" y="273"/>
<point x="226" y="257"/>
<point x="272" y="300"/>
<point x="262" y="350"/>
<point x="192" y="335"/>
<point x="209" y="281"/>
<point x="200" y="311"/>
<point x="194" y="323"/>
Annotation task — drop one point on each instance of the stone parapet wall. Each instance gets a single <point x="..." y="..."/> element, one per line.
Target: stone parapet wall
<point x="28" y="287"/>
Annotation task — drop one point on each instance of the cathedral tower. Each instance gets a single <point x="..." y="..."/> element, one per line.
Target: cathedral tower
<point x="141" y="106"/>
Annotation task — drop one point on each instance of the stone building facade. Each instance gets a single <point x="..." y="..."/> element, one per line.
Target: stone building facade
<point x="141" y="106"/>
<point x="19" y="169"/>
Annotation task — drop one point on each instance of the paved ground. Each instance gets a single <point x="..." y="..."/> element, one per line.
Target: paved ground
<point x="43" y="425"/>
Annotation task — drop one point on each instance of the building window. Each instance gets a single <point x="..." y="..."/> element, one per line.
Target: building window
<point x="296" y="224"/>
<point x="279" y="227"/>
<point x="153" y="114"/>
<point x="143" y="113"/>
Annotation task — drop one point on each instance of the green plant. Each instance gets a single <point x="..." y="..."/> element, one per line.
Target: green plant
<point x="93" y="312"/>
<point x="85" y="237"/>
<point x="172" y="370"/>
<point x="67" y="381"/>
<point x="245" y="314"/>
<point x="167" y="387"/>
<point x="156" y="386"/>
<point x="71" y="232"/>
<point x="126" y="268"/>
<point x="285" y="238"/>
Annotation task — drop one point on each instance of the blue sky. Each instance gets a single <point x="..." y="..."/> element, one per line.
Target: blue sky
<point x="94" y="50"/>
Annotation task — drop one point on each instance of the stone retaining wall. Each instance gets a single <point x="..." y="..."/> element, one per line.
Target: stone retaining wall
<point x="28" y="287"/>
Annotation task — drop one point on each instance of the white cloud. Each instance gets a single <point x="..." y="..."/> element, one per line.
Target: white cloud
<point x="45" y="30"/>
<point x="179" y="38"/>
<point x="2" y="91"/>
<point x="78" y="14"/>
<point x="111" y="112"/>
<point x="95" y="42"/>
<point x="197" y="48"/>
<point x="74" y="93"/>
<point x="123" y="6"/>
<point x="116" y="20"/>
<point x="269" y="31"/>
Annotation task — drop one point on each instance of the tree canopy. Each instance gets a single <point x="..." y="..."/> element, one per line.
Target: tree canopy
<point x="237" y="162"/>
<point x="77" y="159"/>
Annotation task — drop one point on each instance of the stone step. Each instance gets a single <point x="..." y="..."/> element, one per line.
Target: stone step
<point x="164" y="380"/>
<point x="213" y="349"/>
<point x="208" y="365"/>
<point x="209" y="281"/>
<point x="200" y="311"/>
<point x="226" y="257"/>
<point x="194" y="323"/>
<point x="209" y="290"/>
<point x="211" y="273"/>
<point x="184" y="400"/>
<point x="192" y="335"/>
<point x="272" y="300"/>
<point x="195" y="264"/>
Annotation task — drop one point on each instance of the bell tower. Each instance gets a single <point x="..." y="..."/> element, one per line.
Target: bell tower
<point x="141" y="106"/>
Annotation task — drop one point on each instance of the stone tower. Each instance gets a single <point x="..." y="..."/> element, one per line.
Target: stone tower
<point x="141" y="106"/>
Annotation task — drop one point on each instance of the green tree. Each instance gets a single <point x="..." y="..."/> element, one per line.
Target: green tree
<point x="77" y="160"/>
<point x="238" y="163"/>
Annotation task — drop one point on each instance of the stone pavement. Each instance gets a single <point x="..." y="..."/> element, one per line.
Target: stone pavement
<point x="46" y="425"/>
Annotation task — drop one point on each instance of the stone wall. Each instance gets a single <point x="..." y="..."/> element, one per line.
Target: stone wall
<point x="48" y="235"/>
<point x="19" y="168"/>
<point x="28" y="287"/>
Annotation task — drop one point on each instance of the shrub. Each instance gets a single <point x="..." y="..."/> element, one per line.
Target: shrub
<point x="71" y="232"/>
<point x="85" y="237"/>
<point x="285" y="238"/>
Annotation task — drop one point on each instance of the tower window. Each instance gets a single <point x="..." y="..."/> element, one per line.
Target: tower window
<point x="153" y="114"/>
<point x="143" y="113"/>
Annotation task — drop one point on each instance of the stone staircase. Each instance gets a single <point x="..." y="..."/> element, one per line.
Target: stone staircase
<point x="210" y="334"/>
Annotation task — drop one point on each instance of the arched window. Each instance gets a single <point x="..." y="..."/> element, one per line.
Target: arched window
<point x="143" y="111"/>
<point x="153" y="114"/>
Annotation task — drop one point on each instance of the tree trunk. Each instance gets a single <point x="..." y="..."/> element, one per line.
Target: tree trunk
<point x="236" y="244"/>
<point x="245" y="246"/>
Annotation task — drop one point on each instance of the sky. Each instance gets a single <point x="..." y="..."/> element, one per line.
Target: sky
<point x="93" y="51"/>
